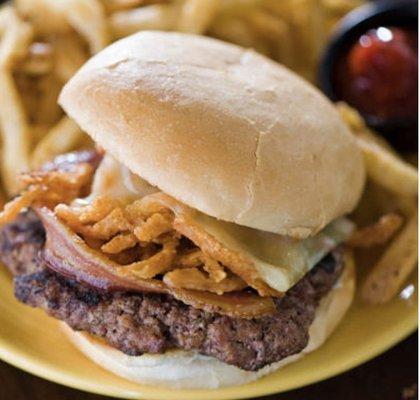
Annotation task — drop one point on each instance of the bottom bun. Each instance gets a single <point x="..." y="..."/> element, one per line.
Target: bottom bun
<point x="189" y="370"/>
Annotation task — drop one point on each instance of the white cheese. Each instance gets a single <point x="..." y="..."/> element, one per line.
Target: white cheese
<point x="281" y="261"/>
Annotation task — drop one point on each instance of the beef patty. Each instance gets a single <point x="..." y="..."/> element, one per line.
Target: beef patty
<point x="138" y="323"/>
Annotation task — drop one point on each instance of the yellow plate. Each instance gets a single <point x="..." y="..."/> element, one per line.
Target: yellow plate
<point x="33" y="342"/>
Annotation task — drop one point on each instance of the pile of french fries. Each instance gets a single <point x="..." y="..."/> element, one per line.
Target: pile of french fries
<point x="44" y="42"/>
<point x="392" y="192"/>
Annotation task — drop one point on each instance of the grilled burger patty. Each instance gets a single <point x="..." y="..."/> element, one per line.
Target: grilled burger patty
<point x="138" y="323"/>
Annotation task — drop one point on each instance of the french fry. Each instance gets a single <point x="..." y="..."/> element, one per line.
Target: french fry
<point x="388" y="170"/>
<point x="118" y="5"/>
<point x="383" y="164"/>
<point x="267" y="25"/>
<point x="377" y="233"/>
<point x="394" y="267"/>
<point x="358" y="126"/>
<point x="377" y="201"/>
<point x="406" y="204"/>
<point x="196" y="15"/>
<point x="43" y="15"/>
<point x="233" y="6"/>
<point x="236" y="30"/>
<point x="341" y="7"/>
<point x="310" y="33"/>
<point x="69" y="56"/>
<point x="16" y="39"/>
<point x="282" y="9"/>
<point x="37" y="132"/>
<point x="87" y="17"/>
<point x="153" y="17"/>
<point x="283" y="45"/>
<point x="62" y="138"/>
<point x="275" y="32"/>
<point x="4" y="12"/>
<point x="14" y="133"/>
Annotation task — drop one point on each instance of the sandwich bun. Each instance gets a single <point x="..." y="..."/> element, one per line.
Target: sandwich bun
<point x="189" y="370"/>
<point x="220" y="128"/>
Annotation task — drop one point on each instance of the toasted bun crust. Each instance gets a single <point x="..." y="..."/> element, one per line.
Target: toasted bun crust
<point x="189" y="370"/>
<point x="220" y="128"/>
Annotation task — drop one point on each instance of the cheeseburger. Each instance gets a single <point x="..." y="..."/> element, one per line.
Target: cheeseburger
<point x="203" y="243"/>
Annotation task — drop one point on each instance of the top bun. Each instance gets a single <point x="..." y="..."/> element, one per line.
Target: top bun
<point x="220" y="128"/>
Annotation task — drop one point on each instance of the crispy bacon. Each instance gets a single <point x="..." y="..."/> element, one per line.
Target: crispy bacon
<point x="66" y="253"/>
<point x="377" y="233"/>
<point x="185" y="224"/>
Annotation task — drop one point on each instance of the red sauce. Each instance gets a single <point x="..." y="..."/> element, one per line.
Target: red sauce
<point x="379" y="74"/>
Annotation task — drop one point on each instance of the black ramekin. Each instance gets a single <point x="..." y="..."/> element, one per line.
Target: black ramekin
<point x="402" y="133"/>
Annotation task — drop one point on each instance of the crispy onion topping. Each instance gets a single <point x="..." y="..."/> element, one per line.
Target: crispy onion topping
<point x="49" y="187"/>
<point x="148" y="237"/>
<point x="67" y="253"/>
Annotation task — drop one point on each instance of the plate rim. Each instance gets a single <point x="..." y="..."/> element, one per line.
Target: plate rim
<point x="29" y="365"/>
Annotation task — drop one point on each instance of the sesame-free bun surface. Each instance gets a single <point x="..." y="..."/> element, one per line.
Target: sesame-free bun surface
<point x="188" y="370"/>
<point x="220" y="128"/>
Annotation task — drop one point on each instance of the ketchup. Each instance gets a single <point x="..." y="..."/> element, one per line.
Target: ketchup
<point x="379" y="74"/>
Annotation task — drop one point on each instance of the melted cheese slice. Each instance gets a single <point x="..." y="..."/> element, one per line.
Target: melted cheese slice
<point x="280" y="261"/>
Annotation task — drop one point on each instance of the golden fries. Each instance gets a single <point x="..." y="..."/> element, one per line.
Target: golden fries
<point x="394" y="267"/>
<point x="378" y="233"/>
<point x="236" y="30"/>
<point x="61" y="138"/>
<point x="43" y="15"/>
<point x="356" y="123"/>
<point x="387" y="169"/>
<point x="14" y="133"/>
<point x="16" y="39"/>
<point x="152" y="17"/>
<point x="196" y="15"/>
<point x="87" y="17"/>
<point x="383" y="164"/>
<point x="393" y="187"/>
<point x="117" y="5"/>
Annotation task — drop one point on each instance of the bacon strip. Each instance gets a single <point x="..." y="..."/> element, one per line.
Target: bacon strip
<point x="66" y="253"/>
